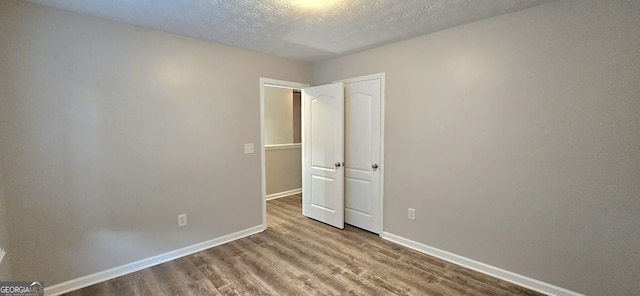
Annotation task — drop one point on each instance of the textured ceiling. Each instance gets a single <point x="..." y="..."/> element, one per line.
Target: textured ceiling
<point x="289" y="29"/>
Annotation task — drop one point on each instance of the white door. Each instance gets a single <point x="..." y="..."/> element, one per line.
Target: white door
<point x="362" y="153"/>
<point x="323" y="154"/>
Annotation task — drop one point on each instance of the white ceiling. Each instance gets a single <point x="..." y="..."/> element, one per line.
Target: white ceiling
<point x="284" y="28"/>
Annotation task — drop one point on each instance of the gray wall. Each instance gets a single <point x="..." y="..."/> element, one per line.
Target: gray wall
<point x="283" y="170"/>
<point x="109" y="131"/>
<point x="517" y="139"/>
<point x="278" y="115"/>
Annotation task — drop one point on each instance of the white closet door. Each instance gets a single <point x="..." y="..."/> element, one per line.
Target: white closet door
<point x="323" y="154"/>
<point x="362" y="154"/>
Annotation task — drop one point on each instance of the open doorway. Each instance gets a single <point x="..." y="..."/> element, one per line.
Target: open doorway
<point x="283" y="155"/>
<point x="280" y="105"/>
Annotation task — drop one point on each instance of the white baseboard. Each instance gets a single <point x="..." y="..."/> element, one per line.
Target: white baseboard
<point x="284" y="193"/>
<point x="146" y="263"/>
<point x="493" y="271"/>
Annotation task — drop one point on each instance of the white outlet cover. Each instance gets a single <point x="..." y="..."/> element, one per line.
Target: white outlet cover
<point x="182" y="220"/>
<point x="411" y="214"/>
<point x="248" y="148"/>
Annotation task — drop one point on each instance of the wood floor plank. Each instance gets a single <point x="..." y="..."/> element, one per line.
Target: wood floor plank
<point x="239" y="279"/>
<point x="300" y="256"/>
<point x="291" y="257"/>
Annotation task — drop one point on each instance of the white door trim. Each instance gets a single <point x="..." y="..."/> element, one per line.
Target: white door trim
<point x="274" y="83"/>
<point x="380" y="76"/>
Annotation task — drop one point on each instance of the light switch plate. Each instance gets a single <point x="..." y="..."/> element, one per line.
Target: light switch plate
<point x="248" y="148"/>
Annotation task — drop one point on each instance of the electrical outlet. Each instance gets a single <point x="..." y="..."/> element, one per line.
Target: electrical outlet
<point x="411" y="214"/>
<point x="248" y="148"/>
<point x="182" y="220"/>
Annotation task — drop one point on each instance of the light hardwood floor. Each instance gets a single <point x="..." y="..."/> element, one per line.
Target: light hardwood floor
<point x="300" y="256"/>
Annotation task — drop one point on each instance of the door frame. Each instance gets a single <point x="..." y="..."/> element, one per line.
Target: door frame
<point x="380" y="76"/>
<point x="264" y="82"/>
